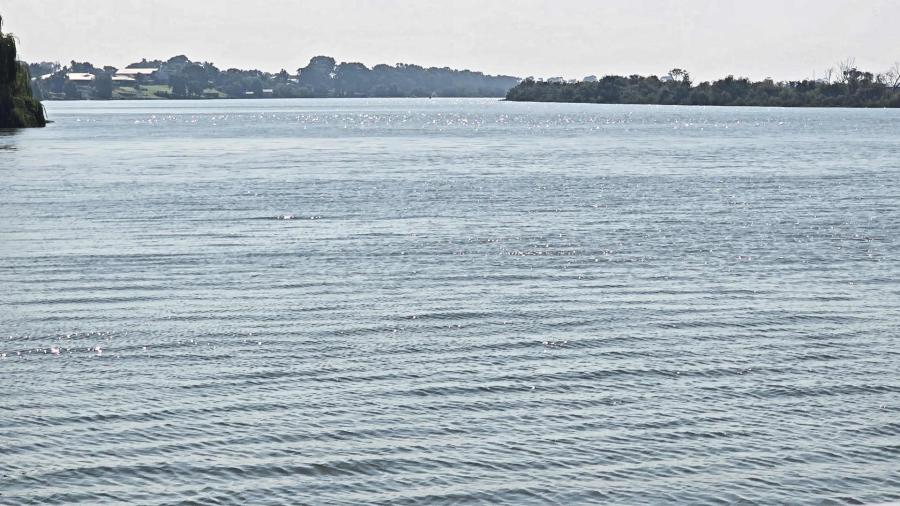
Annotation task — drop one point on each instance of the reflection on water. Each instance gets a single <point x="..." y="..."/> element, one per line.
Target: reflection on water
<point x="7" y="138"/>
<point x="460" y="300"/>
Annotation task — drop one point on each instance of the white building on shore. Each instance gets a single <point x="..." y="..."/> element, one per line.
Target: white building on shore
<point x="143" y="73"/>
<point x="80" y="78"/>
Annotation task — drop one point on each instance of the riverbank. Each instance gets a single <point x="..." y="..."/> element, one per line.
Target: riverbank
<point x="853" y="89"/>
<point x="323" y="77"/>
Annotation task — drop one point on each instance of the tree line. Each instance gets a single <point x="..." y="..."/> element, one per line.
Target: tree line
<point x="322" y="77"/>
<point x="846" y="86"/>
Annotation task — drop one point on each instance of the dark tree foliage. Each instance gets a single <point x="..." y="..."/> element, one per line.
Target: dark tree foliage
<point x="195" y="78"/>
<point x="72" y="92"/>
<point x="323" y="78"/>
<point x="82" y="67"/>
<point x="854" y="88"/>
<point x="148" y="64"/>
<point x="36" y="90"/>
<point x="318" y="75"/>
<point x="179" y="85"/>
<point x="18" y="107"/>
<point x="103" y="86"/>
<point x="43" y="68"/>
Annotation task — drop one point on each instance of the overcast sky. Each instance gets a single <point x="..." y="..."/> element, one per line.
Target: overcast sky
<point x="784" y="39"/>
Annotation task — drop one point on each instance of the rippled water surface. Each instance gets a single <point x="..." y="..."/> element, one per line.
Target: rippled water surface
<point x="476" y="301"/>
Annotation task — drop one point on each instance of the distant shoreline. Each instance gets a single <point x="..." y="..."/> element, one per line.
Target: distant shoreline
<point x="749" y="106"/>
<point x="225" y="99"/>
<point x="498" y="99"/>
<point x="852" y="89"/>
<point x="180" y="78"/>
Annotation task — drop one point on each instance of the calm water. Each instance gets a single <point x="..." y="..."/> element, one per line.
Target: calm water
<point x="478" y="302"/>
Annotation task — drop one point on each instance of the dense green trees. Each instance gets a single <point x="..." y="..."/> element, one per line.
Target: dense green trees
<point x="72" y="92"/>
<point x="195" y="78"/>
<point x="851" y="88"/>
<point x="179" y="77"/>
<point x="178" y="84"/>
<point x="103" y="86"/>
<point x="323" y="78"/>
<point x="18" y="107"/>
<point x="317" y="76"/>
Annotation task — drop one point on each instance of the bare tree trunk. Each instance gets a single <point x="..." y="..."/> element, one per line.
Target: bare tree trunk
<point x="894" y="73"/>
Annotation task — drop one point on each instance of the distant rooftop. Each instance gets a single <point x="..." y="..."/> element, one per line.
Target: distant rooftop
<point x="146" y="71"/>
<point x="79" y="76"/>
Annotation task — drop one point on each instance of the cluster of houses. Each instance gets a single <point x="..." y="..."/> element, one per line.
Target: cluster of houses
<point x="52" y="83"/>
<point x="122" y="79"/>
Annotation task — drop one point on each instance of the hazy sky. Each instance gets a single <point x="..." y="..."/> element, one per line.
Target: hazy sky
<point x="783" y="39"/>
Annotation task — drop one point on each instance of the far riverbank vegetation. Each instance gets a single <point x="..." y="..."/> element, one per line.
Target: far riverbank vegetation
<point x="179" y="77"/>
<point x="845" y="86"/>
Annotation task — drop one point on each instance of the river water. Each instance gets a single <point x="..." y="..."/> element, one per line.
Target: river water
<point x="476" y="302"/>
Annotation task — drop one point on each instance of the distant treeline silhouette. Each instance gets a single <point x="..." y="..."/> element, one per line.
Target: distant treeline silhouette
<point x="848" y="87"/>
<point x="17" y="106"/>
<point x="179" y="77"/>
